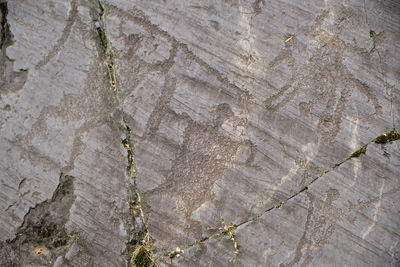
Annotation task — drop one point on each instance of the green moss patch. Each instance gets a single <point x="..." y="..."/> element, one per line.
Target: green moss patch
<point x="387" y="137"/>
<point x="358" y="152"/>
<point x="142" y="258"/>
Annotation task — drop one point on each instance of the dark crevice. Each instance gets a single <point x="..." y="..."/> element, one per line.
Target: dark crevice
<point x="3" y="24"/>
<point x="138" y="245"/>
<point x="10" y="80"/>
<point x="43" y="236"/>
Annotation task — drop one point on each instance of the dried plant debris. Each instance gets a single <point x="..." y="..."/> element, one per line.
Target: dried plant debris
<point x="227" y="229"/>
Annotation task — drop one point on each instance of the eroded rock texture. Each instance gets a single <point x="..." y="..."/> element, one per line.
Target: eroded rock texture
<point x="128" y="119"/>
<point x="62" y="121"/>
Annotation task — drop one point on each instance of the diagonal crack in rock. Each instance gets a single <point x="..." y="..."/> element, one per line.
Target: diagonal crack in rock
<point x="383" y="138"/>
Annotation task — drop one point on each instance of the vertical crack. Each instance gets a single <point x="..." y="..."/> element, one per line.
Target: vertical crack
<point x="138" y="247"/>
<point x="108" y="52"/>
<point x="3" y="24"/>
<point x="10" y="80"/>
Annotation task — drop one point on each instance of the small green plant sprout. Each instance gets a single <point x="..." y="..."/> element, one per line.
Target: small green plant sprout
<point x="227" y="229"/>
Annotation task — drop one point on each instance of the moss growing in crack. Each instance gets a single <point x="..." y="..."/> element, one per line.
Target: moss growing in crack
<point x="387" y="137"/>
<point x="357" y="153"/>
<point x="101" y="29"/>
<point x="103" y="36"/>
<point x="326" y="171"/>
<point x="280" y="204"/>
<point x="108" y="52"/>
<point x="142" y="258"/>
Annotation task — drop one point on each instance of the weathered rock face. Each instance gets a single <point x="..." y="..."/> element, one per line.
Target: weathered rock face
<point x="60" y="119"/>
<point x="247" y="110"/>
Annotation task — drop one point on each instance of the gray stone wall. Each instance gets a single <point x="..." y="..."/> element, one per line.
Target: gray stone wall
<point x="199" y="133"/>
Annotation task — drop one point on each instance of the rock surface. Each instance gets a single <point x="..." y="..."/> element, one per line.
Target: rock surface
<point x="126" y="123"/>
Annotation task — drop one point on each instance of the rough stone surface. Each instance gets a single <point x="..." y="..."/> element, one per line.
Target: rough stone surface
<point x="241" y="109"/>
<point x="62" y="119"/>
<point x="340" y="220"/>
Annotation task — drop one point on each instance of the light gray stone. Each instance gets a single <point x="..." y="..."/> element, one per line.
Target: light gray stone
<point x="272" y="94"/>
<point x="230" y="108"/>
<point x="348" y="217"/>
<point x="63" y="120"/>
